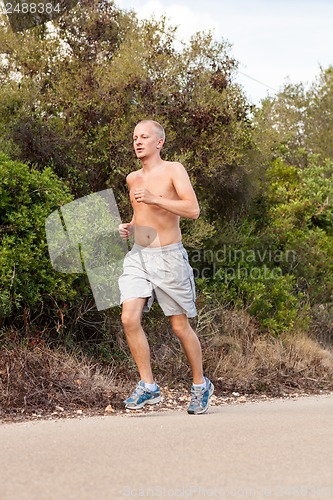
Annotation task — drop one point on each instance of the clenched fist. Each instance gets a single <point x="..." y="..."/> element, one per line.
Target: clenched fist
<point x="125" y="230"/>
<point x="142" y="195"/>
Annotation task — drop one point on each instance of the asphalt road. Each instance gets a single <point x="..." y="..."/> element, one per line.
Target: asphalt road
<point x="274" y="449"/>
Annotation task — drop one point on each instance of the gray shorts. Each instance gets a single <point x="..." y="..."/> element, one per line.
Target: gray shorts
<point x="163" y="273"/>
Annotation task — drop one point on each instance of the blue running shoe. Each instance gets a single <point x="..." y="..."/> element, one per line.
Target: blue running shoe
<point x="142" y="396"/>
<point x="200" y="398"/>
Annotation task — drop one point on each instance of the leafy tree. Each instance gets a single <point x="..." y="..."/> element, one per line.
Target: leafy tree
<point x="98" y="72"/>
<point x="318" y="126"/>
<point x="297" y="122"/>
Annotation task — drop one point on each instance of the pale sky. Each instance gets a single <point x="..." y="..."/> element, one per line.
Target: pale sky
<point x="275" y="41"/>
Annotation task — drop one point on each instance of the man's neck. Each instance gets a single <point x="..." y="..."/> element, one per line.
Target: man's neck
<point x="149" y="164"/>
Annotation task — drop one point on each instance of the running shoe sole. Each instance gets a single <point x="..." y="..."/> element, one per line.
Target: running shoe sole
<point x="141" y="405"/>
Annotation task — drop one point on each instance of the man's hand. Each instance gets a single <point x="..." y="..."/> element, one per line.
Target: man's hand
<point x="125" y="230"/>
<point x="142" y="195"/>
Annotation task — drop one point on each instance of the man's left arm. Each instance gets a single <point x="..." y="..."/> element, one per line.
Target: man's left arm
<point x="186" y="206"/>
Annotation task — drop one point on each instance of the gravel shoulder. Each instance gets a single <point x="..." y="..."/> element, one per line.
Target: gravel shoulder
<point x="172" y="400"/>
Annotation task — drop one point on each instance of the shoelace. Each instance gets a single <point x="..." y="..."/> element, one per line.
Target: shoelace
<point x="139" y="390"/>
<point x="196" y="393"/>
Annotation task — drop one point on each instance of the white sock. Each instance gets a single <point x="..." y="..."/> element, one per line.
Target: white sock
<point x="151" y="387"/>
<point x="200" y="386"/>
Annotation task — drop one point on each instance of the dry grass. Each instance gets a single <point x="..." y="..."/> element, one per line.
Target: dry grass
<point x="246" y="360"/>
<point x="236" y="357"/>
<point x="39" y="377"/>
<point x="322" y="324"/>
<point x="240" y="358"/>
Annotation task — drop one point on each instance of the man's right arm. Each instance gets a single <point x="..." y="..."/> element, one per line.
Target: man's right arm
<point x="126" y="228"/>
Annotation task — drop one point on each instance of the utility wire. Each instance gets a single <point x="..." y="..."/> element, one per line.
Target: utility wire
<point x="240" y="72"/>
<point x="258" y="81"/>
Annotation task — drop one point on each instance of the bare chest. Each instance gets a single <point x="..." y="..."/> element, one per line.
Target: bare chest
<point x="157" y="185"/>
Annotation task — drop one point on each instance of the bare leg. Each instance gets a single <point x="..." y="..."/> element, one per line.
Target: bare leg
<point x="191" y="345"/>
<point x="136" y="338"/>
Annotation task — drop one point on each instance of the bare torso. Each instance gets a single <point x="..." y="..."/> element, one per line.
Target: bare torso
<point x="154" y="226"/>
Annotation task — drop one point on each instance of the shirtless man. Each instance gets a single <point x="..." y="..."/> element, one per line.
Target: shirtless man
<point x="157" y="266"/>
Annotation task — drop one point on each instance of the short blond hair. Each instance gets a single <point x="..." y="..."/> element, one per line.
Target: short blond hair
<point x="158" y="127"/>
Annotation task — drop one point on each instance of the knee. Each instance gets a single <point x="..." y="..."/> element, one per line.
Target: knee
<point x="130" y="321"/>
<point x="179" y="332"/>
<point x="180" y="328"/>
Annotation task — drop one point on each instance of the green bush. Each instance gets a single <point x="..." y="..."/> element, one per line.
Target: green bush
<point x="27" y="280"/>
<point x="266" y="294"/>
<point x="300" y="222"/>
<point x="279" y="259"/>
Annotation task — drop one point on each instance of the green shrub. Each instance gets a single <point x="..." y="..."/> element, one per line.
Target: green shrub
<point x="279" y="259"/>
<point x="266" y="294"/>
<point x="27" y="280"/>
<point x="301" y="222"/>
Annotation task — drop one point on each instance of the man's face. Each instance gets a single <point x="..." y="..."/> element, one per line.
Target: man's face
<point x="146" y="141"/>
